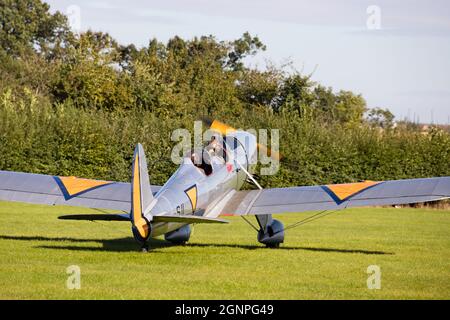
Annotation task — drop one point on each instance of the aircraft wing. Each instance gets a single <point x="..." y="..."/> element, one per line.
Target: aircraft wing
<point x="337" y="196"/>
<point x="72" y="191"/>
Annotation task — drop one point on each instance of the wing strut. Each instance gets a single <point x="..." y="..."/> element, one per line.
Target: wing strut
<point x="316" y="216"/>
<point x="265" y="219"/>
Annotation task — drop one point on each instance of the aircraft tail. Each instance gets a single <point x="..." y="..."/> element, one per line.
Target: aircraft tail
<point x="141" y="196"/>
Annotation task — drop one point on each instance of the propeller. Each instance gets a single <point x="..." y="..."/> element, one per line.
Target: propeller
<point x="223" y="129"/>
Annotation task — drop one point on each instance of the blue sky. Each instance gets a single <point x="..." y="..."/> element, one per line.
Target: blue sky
<point x="404" y="65"/>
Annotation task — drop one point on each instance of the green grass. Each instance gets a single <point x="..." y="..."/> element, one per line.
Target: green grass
<point x="326" y="259"/>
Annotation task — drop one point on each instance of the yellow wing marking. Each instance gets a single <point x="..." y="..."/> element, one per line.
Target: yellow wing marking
<point x="343" y="191"/>
<point x="74" y="185"/>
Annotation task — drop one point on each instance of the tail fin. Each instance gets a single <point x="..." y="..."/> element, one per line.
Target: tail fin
<point x="141" y="195"/>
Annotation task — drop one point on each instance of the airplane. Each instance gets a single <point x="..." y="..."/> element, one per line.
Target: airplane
<point x="206" y="186"/>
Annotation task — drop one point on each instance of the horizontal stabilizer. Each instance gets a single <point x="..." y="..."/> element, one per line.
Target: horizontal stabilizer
<point x="96" y="217"/>
<point x="126" y="217"/>
<point x="187" y="219"/>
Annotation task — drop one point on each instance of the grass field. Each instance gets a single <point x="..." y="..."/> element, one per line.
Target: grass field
<point x="326" y="259"/>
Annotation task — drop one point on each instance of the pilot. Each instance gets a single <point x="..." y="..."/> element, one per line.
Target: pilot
<point x="214" y="147"/>
<point x="198" y="161"/>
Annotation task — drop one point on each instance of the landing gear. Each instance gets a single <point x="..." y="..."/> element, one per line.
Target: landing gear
<point x="272" y="235"/>
<point x="145" y="248"/>
<point x="179" y="236"/>
<point x="139" y="239"/>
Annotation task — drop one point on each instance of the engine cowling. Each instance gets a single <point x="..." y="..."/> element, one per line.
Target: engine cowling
<point x="273" y="235"/>
<point x="180" y="235"/>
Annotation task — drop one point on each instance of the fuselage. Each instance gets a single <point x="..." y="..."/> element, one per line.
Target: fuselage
<point x="192" y="190"/>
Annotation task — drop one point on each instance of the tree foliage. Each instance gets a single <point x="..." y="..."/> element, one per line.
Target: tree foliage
<point x="77" y="104"/>
<point x="27" y="25"/>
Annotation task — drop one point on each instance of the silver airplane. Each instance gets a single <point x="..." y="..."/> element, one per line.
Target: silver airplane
<point x="205" y="186"/>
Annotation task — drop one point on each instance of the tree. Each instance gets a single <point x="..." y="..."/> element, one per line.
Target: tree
<point x="350" y="108"/>
<point x="260" y="87"/>
<point x="240" y="48"/>
<point x="295" y="94"/>
<point x="382" y="118"/>
<point x="324" y="103"/>
<point x="89" y="75"/>
<point x="28" y="26"/>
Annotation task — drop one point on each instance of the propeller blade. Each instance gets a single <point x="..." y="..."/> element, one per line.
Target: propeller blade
<point x="223" y="129"/>
<point x="273" y="154"/>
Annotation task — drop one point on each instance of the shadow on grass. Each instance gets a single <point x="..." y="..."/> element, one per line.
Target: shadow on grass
<point x="128" y="244"/>
<point x="256" y="247"/>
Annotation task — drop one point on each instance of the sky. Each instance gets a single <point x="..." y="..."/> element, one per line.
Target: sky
<point x="395" y="53"/>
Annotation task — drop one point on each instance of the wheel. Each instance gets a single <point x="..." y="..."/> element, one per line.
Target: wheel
<point x="144" y="248"/>
<point x="273" y="245"/>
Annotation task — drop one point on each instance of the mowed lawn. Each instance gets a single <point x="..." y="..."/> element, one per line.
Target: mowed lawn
<point x="325" y="259"/>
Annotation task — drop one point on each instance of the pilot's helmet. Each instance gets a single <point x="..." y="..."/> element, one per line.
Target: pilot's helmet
<point x="215" y="137"/>
<point x="196" y="158"/>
